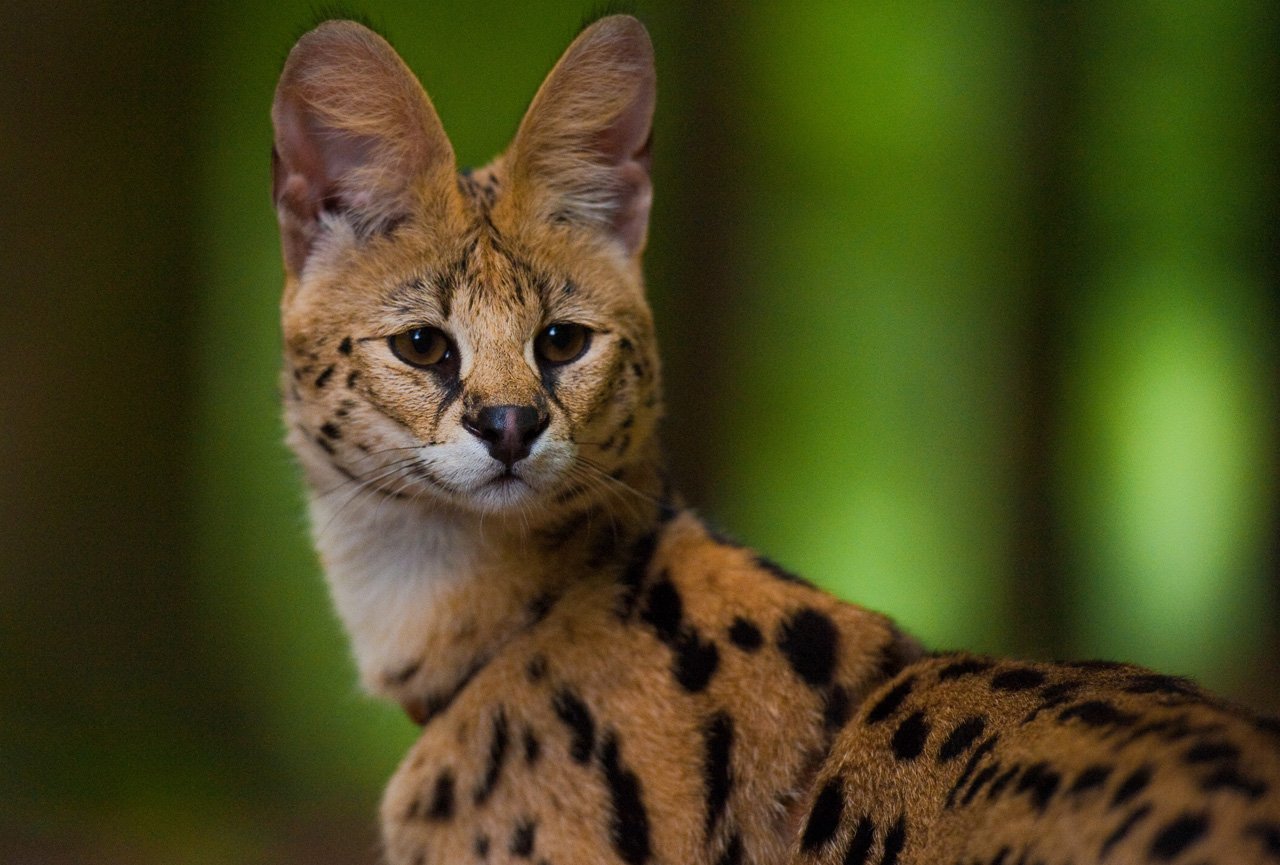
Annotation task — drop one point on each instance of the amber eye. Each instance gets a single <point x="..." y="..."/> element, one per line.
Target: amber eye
<point x="561" y="343"/>
<point x="422" y="346"/>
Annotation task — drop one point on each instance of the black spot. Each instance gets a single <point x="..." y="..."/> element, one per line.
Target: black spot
<point x="556" y="536"/>
<point x="523" y="838"/>
<point x="838" y="708"/>
<point x="497" y="756"/>
<point x="779" y="572"/>
<point x="998" y="785"/>
<point x="632" y="577"/>
<point x="481" y="846"/>
<point x="442" y="798"/>
<point x="404" y="674"/>
<point x="1097" y="713"/>
<point x="330" y="430"/>
<point x="1126" y="826"/>
<point x="1268" y="726"/>
<point x="894" y="841"/>
<point x="344" y="347"/>
<point x="696" y="661"/>
<point x="1211" y="752"/>
<point x="577" y="717"/>
<point x="663" y="610"/>
<point x="1053" y="696"/>
<point x="1041" y="783"/>
<point x="1268" y="834"/>
<point x="1154" y="683"/>
<point x="1132" y="786"/>
<point x="716" y="767"/>
<point x="824" y="819"/>
<point x="1096" y="665"/>
<point x="809" y="640"/>
<point x="979" y="781"/>
<point x="1090" y="778"/>
<point x="961" y="738"/>
<point x="1017" y="679"/>
<point x="629" y="826"/>
<point x="1179" y="835"/>
<point x="1229" y="778"/>
<point x="536" y="669"/>
<point x="732" y="852"/>
<point x="323" y="378"/>
<point x="603" y="547"/>
<point x="860" y="843"/>
<point x="540" y="606"/>
<point x="1169" y="729"/>
<point x="968" y="667"/>
<point x="744" y="634"/>
<point x="1001" y="856"/>
<point x="532" y="747"/>
<point x="985" y="747"/>
<point x="435" y="704"/>
<point x="325" y="446"/>
<point x="889" y="703"/>
<point x="910" y="737"/>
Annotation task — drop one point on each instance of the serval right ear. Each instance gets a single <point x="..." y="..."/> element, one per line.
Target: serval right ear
<point x="355" y="136"/>
<point x="581" y="155"/>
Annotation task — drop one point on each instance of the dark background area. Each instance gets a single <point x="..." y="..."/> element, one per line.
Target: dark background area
<point x="969" y="313"/>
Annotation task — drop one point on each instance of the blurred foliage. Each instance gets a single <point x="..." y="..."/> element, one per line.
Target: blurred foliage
<point x="969" y="313"/>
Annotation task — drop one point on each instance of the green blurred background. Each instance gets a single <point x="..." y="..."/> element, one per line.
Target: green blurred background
<point x="969" y="313"/>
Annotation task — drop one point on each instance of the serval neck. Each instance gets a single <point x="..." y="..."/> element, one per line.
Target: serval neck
<point x="430" y="593"/>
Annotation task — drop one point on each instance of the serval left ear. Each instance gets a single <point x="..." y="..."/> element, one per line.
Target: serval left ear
<point x="355" y="137"/>
<point x="581" y="154"/>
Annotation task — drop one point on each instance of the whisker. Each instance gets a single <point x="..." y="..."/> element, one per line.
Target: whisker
<point x="363" y="477"/>
<point x="372" y="485"/>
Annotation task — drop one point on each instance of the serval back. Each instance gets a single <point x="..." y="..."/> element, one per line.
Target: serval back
<point x="472" y="389"/>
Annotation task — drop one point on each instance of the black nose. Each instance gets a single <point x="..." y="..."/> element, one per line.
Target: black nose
<point x="508" y="430"/>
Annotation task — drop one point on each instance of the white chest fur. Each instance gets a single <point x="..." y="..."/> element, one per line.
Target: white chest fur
<point x="388" y="564"/>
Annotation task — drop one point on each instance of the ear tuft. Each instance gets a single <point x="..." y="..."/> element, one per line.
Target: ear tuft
<point x="582" y="150"/>
<point x="355" y="135"/>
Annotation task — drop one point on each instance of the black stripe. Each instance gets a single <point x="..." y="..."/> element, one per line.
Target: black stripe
<point x="1118" y="835"/>
<point x="629" y="826"/>
<point x="442" y="798"/>
<point x="522" y="839"/>
<point x="961" y="738"/>
<point x="890" y="702"/>
<point x="732" y="852"/>
<point x="1179" y="835"/>
<point x="716" y="767"/>
<point x="895" y="841"/>
<point x="570" y="709"/>
<point x="860" y="843"/>
<point x="824" y="817"/>
<point x="987" y="745"/>
<point x="497" y="757"/>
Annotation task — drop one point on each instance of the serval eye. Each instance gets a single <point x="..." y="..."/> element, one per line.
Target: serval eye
<point x="561" y="343"/>
<point x="422" y="347"/>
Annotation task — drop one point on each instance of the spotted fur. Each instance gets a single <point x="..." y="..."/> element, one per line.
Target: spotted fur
<point x="599" y="677"/>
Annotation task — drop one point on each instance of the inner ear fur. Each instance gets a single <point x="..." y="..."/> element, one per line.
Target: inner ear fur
<point x="355" y="136"/>
<point x="581" y="154"/>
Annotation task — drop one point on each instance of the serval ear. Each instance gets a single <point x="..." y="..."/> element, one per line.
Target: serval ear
<point x="355" y="137"/>
<point x="581" y="154"/>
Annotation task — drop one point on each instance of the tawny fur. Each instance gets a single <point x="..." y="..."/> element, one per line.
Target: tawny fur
<point x="600" y="678"/>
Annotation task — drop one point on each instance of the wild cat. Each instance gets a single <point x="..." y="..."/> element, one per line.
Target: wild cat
<point x="472" y="389"/>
